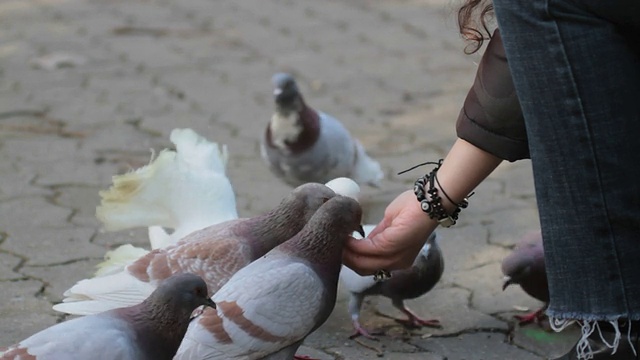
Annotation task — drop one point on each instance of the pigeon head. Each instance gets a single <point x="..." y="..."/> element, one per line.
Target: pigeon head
<point x="310" y="196"/>
<point x="517" y="275"/>
<point x="183" y="291"/>
<point x="322" y="239"/>
<point x="343" y="213"/>
<point x="526" y="260"/>
<point x="285" y="92"/>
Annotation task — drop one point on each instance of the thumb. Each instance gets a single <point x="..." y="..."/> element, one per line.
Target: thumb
<point x="382" y="225"/>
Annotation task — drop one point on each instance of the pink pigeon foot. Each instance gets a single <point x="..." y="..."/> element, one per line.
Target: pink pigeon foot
<point x="303" y="357"/>
<point x="533" y="317"/>
<point x="360" y="331"/>
<point x="417" y="322"/>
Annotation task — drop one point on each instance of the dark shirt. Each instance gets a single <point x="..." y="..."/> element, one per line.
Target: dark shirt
<point x="491" y="118"/>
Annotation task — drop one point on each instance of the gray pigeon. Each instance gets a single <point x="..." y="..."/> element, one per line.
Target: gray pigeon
<point x="267" y="309"/>
<point x="215" y="253"/>
<point x="151" y="330"/>
<point x="303" y="145"/>
<point x="404" y="284"/>
<point x="525" y="267"/>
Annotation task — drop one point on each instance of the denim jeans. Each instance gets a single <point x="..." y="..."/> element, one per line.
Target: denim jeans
<point x="576" y="70"/>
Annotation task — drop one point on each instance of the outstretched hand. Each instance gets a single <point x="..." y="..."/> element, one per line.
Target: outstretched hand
<point x="395" y="242"/>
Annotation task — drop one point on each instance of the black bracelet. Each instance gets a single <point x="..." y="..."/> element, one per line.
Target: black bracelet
<point x="433" y="205"/>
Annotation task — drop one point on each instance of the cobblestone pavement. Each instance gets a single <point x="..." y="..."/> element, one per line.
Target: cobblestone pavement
<point x="87" y="88"/>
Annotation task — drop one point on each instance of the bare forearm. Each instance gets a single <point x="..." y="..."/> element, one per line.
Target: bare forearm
<point x="464" y="168"/>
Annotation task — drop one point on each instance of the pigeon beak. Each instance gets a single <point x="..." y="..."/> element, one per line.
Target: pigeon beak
<point x="277" y="91"/>
<point x="210" y="303"/>
<point x="360" y="231"/>
<point x="507" y="281"/>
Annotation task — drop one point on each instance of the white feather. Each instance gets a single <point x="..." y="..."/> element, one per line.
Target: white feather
<point x="119" y="258"/>
<point x="366" y="170"/>
<point x="92" y="296"/>
<point x="345" y="187"/>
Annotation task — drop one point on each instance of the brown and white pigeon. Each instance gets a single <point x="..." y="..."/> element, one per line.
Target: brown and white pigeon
<point x="215" y="253"/>
<point x="303" y="145"/>
<point x="525" y="267"/>
<point x="268" y="308"/>
<point x="404" y="284"/>
<point x="151" y="330"/>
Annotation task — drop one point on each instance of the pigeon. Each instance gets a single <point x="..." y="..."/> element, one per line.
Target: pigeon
<point x="215" y="253"/>
<point x="525" y="267"/>
<point x="267" y="309"/>
<point x="151" y="330"/>
<point x="404" y="284"/>
<point x="184" y="190"/>
<point x="302" y="145"/>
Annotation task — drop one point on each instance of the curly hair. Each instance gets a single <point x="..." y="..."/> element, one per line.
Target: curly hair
<point x="473" y="18"/>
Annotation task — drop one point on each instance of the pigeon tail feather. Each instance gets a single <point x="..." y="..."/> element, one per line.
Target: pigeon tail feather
<point x="91" y="296"/>
<point x="366" y="170"/>
<point x="116" y="260"/>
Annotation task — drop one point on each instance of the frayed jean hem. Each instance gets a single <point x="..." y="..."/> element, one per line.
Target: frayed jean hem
<point x="590" y="324"/>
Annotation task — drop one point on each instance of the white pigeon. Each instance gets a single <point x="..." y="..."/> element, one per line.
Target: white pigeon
<point x="267" y="309"/>
<point x="183" y="190"/>
<point x="215" y="253"/>
<point x="302" y="145"/>
<point x="151" y="330"/>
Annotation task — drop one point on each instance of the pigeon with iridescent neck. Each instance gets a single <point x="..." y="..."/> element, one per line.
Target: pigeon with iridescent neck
<point x="303" y="145"/>
<point x="151" y="330"/>
<point x="404" y="284"/>
<point x="268" y="308"/>
<point x="525" y="267"/>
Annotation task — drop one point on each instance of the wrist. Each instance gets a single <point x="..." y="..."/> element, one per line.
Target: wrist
<point x="434" y="201"/>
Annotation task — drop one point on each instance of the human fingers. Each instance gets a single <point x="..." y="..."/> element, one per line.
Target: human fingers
<point x="369" y="255"/>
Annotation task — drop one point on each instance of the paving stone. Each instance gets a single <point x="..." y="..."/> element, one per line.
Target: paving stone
<point x="44" y="245"/>
<point x="363" y="353"/>
<point x="83" y="200"/>
<point x="488" y="297"/>
<point x="16" y="181"/>
<point x="313" y="353"/>
<point x="452" y="306"/>
<point x="509" y="225"/>
<point x="59" y="278"/>
<point x="480" y="346"/>
<point x="33" y="147"/>
<point x="461" y="247"/>
<point x="8" y="263"/>
<point x="23" y="213"/>
<point x="545" y="342"/>
<point x="23" y="311"/>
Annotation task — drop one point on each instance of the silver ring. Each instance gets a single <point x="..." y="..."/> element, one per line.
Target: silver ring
<point x="381" y="275"/>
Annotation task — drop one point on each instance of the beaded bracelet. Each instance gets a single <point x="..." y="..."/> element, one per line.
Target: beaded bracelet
<point x="433" y="205"/>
